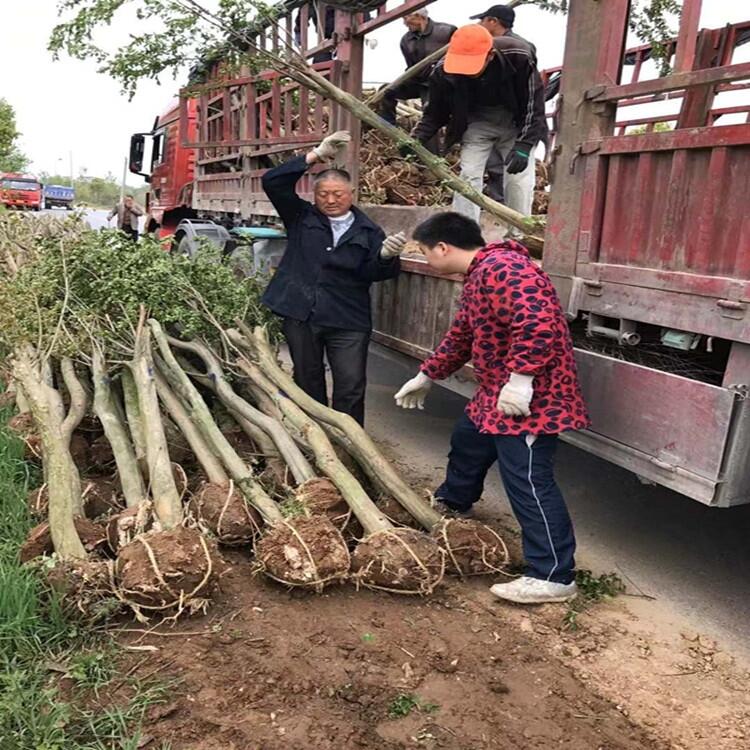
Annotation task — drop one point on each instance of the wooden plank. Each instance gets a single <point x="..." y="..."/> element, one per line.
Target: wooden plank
<point x="724" y="135"/>
<point x="673" y="82"/>
<point x="671" y="219"/>
<point x="642" y="209"/>
<point x="688" y="35"/>
<point x="700" y="250"/>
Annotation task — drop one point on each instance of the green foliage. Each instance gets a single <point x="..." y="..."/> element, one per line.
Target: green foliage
<point x="92" y="670"/>
<point x="405" y="703"/>
<point x="11" y="159"/>
<point x="651" y="21"/>
<point x="179" y="35"/>
<point x="659" y="127"/>
<point x="591" y="590"/>
<point x="86" y="284"/>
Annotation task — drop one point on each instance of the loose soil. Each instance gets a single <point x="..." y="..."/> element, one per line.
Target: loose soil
<point x="276" y="669"/>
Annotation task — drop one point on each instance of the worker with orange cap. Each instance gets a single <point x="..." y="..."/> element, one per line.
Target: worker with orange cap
<point x="489" y="94"/>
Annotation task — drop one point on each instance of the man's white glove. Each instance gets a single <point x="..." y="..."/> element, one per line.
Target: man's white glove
<point x="332" y="145"/>
<point x="515" y="397"/>
<point x="393" y="246"/>
<point x="414" y="392"/>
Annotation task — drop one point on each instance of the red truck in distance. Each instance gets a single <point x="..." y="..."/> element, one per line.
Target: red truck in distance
<point x="22" y="191"/>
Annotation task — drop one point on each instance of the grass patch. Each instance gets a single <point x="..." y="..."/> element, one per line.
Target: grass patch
<point x="591" y="590"/>
<point x="39" y="643"/>
<point x="406" y="703"/>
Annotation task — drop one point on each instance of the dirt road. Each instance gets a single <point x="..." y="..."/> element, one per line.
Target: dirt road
<point x="269" y="669"/>
<point x="693" y="559"/>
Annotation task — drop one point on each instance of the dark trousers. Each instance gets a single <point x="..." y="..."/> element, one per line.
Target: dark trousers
<point x="130" y="232"/>
<point x="347" y="355"/>
<point x="527" y="469"/>
<point x="408" y="90"/>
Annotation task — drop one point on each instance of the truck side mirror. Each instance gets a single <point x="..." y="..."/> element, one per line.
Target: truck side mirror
<point x="137" y="148"/>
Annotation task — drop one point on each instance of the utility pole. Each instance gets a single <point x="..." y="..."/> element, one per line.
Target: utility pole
<point x="70" y="164"/>
<point x="124" y="178"/>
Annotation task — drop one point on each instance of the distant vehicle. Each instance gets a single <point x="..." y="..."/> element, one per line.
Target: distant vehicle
<point x="59" y="196"/>
<point x="22" y="191"/>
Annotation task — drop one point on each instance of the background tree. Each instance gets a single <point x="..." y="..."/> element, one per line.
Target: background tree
<point x="11" y="158"/>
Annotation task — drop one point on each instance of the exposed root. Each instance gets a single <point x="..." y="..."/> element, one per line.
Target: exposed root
<point x="39" y="540"/>
<point x="321" y="497"/>
<point x="225" y="512"/>
<point x="123" y="527"/>
<point x="85" y="588"/>
<point x="472" y="549"/>
<point x="167" y="571"/>
<point x="402" y="561"/>
<point x="307" y="552"/>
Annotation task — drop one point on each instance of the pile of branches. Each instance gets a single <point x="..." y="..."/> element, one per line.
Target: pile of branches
<point x="149" y="387"/>
<point x="386" y="178"/>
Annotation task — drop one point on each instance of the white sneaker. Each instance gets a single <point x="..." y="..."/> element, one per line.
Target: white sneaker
<point x="527" y="590"/>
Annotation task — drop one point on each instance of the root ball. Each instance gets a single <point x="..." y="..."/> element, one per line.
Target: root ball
<point x="226" y="513"/>
<point x="321" y="497"/>
<point x="167" y="570"/>
<point x="304" y="552"/>
<point x="86" y="588"/>
<point x="472" y="549"/>
<point x="402" y="561"/>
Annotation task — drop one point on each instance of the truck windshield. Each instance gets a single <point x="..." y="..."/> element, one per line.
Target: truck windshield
<point x="19" y="185"/>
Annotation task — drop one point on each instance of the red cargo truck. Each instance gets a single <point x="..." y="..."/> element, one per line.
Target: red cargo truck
<point x="648" y="235"/>
<point x="22" y="191"/>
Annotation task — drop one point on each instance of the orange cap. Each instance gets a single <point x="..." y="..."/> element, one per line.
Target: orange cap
<point x="468" y="50"/>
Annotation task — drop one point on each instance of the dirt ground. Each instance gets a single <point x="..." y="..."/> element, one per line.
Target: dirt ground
<point x="268" y="668"/>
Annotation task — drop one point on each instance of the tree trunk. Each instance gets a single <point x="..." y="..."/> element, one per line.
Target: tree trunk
<point x="117" y="434"/>
<point x="45" y="404"/>
<point x="201" y="416"/>
<point x="166" y="497"/>
<point x="345" y="430"/>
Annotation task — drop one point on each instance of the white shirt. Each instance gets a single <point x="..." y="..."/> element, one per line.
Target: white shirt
<point x="340" y="225"/>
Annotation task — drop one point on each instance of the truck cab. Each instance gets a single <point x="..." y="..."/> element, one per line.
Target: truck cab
<point x="22" y="191"/>
<point x="171" y="171"/>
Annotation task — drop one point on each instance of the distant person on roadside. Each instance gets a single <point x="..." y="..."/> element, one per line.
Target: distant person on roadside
<point x="499" y="21"/>
<point x="512" y="329"/>
<point x="127" y="212"/>
<point x="322" y="287"/>
<point x="424" y="36"/>
<point x="489" y="94"/>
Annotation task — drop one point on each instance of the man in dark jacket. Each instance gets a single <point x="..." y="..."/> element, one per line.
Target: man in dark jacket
<point x="489" y="94"/>
<point x="499" y="21"/>
<point x="329" y="26"/>
<point x="424" y="37"/>
<point x="322" y="287"/>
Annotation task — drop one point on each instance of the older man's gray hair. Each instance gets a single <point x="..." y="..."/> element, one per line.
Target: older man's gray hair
<point x="421" y="12"/>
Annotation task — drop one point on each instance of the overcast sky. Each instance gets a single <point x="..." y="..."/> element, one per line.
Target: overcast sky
<point x="66" y="107"/>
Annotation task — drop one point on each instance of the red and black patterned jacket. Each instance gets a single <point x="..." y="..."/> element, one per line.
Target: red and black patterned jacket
<point x="510" y="320"/>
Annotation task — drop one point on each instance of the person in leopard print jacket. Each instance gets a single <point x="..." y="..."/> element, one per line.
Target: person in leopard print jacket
<point x="512" y="329"/>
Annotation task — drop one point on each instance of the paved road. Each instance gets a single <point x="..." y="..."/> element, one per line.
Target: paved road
<point x="695" y="560"/>
<point x="96" y="218"/>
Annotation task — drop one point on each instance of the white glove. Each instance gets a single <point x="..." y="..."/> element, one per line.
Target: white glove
<point x="332" y="145"/>
<point x="414" y="392"/>
<point x="515" y="397"/>
<point x="393" y="246"/>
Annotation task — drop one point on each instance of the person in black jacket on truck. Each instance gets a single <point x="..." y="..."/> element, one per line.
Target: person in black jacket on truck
<point x="489" y="94"/>
<point x="424" y="36"/>
<point x="322" y="287"/>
